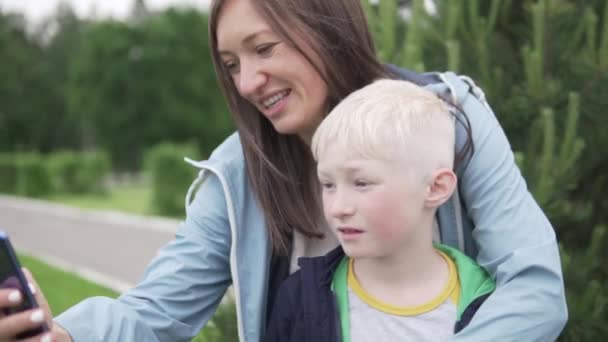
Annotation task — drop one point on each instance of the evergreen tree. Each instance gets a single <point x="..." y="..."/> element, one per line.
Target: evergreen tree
<point x="543" y="67"/>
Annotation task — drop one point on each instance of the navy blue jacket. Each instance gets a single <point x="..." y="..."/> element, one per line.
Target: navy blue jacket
<point x="305" y="307"/>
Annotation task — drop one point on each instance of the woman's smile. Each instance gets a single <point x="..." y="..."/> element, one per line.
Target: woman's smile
<point x="274" y="104"/>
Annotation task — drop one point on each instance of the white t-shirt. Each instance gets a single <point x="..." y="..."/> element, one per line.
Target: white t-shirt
<point x="372" y="320"/>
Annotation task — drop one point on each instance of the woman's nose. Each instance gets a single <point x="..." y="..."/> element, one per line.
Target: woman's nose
<point x="251" y="79"/>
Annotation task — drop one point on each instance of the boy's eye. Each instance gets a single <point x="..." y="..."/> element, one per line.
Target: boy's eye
<point x="361" y="183"/>
<point x="327" y="185"/>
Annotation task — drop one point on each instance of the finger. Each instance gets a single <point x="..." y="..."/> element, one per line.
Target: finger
<point x="14" y="324"/>
<point x="45" y="337"/>
<point x="40" y="299"/>
<point x="10" y="298"/>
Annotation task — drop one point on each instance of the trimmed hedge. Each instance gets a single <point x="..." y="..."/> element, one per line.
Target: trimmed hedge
<point x="33" y="177"/>
<point x="36" y="175"/>
<point x="79" y="172"/>
<point x="170" y="176"/>
<point x="95" y="167"/>
<point x="63" y="167"/>
<point x="8" y="173"/>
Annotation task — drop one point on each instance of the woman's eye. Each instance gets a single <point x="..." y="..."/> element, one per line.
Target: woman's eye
<point x="232" y="67"/>
<point x="265" y="49"/>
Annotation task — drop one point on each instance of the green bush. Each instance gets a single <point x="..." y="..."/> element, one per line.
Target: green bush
<point x="63" y="168"/>
<point x="222" y="327"/>
<point x="95" y="167"/>
<point x="78" y="172"/>
<point x="33" y="178"/>
<point x="170" y="176"/>
<point x="8" y="173"/>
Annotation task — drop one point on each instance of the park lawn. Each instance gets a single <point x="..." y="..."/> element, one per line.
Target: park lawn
<point x="62" y="289"/>
<point x="132" y="198"/>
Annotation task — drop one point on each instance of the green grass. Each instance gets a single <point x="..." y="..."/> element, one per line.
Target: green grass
<point x="62" y="289"/>
<point x="132" y="198"/>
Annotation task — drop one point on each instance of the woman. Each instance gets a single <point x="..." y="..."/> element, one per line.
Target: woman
<point x="282" y="65"/>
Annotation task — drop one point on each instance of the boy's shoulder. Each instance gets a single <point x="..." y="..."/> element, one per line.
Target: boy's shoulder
<point x="306" y="289"/>
<point x="315" y="272"/>
<point x="304" y="301"/>
<point x="291" y="287"/>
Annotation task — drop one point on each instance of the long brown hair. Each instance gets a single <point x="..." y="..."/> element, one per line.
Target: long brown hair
<point x="280" y="167"/>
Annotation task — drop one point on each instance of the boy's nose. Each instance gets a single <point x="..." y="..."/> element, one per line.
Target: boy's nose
<point x="341" y="206"/>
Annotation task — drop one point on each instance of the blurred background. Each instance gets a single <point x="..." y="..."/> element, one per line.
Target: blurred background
<point x="101" y="100"/>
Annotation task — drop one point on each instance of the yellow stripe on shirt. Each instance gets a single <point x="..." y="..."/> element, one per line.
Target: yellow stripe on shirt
<point x="450" y="291"/>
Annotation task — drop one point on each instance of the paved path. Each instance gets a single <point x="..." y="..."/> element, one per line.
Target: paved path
<point x="106" y="247"/>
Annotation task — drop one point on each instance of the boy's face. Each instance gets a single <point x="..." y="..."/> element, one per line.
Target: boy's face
<point x="372" y="205"/>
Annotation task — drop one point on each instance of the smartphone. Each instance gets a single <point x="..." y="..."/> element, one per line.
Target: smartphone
<point x="11" y="276"/>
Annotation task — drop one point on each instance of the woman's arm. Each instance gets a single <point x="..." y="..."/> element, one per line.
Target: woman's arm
<point x="181" y="287"/>
<point x="516" y="242"/>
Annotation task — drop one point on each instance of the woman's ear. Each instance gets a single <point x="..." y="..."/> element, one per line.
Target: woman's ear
<point x="441" y="186"/>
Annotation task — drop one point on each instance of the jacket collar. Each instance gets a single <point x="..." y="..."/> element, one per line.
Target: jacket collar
<point x="322" y="268"/>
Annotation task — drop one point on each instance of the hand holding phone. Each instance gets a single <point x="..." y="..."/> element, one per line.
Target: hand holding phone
<point x="12" y="277"/>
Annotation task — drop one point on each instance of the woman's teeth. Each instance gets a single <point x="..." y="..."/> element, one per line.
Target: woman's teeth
<point x="274" y="99"/>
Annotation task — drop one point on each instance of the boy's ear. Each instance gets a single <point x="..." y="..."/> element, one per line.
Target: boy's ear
<point x="440" y="187"/>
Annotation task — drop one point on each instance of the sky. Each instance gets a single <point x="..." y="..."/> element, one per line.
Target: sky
<point x="35" y="10"/>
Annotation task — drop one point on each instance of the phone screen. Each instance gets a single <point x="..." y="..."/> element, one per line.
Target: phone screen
<point x="12" y="277"/>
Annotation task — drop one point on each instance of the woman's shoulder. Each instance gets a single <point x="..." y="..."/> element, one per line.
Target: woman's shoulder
<point x="227" y="158"/>
<point x="226" y="164"/>
<point x="454" y="86"/>
<point x="229" y="152"/>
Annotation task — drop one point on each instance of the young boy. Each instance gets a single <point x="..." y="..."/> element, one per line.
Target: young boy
<point x="385" y="157"/>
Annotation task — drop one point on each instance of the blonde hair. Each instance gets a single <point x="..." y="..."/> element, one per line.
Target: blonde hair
<point x="392" y="120"/>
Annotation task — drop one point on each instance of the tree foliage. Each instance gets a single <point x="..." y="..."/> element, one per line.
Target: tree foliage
<point x="543" y="65"/>
<point x="33" y="69"/>
<point x="137" y="84"/>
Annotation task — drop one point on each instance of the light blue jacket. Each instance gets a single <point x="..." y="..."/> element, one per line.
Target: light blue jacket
<point x="224" y="241"/>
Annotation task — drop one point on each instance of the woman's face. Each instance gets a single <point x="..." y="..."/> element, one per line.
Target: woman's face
<point x="270" y="73"/>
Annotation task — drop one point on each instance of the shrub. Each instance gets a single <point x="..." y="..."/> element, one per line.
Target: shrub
<point x="33" y="179"/>
<point x="78" y="172"/>
<point x="63" y="168"/>
<point x="95" y="166"/>
<point x="170" y="176"/>
<point x="8" y="173"/>
<point x="222" y="327"/>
